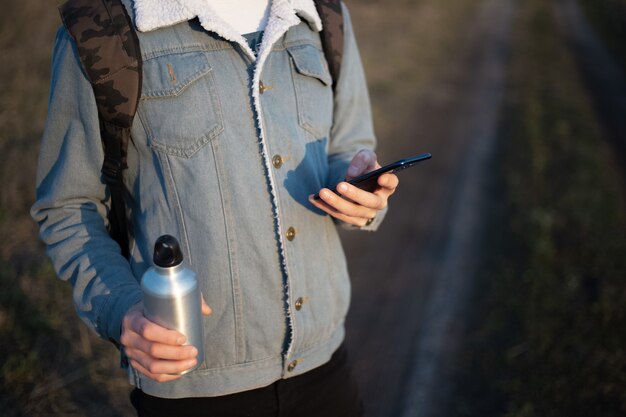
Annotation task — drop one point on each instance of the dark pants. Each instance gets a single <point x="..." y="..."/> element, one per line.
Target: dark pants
<point x="326" y="391"/>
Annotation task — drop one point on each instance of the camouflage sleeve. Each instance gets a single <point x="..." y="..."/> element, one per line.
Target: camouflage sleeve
<point x="353" y="128"/>
<point x="70" y="203"/>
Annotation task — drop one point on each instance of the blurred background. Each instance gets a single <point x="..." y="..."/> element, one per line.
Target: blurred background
<point x="496" y="285"/>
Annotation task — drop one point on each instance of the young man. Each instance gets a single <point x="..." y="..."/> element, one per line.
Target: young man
<point x="239" y="124"/>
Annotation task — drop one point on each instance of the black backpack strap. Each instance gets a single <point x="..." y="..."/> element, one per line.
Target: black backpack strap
<point x="331" y="13"/>
<point x="109" y="53"/>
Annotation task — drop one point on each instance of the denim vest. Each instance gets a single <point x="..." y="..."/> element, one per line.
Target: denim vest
<point x="225" y="150"/>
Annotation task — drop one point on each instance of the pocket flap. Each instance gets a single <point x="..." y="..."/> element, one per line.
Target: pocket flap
<point x="310" y="61"/>
<point x="169" y="75"/>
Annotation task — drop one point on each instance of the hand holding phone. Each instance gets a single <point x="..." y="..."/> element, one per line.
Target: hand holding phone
<point x="369" y="181"/>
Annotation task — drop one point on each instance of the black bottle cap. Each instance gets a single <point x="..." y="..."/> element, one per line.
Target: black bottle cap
<point x="167" y="252"/>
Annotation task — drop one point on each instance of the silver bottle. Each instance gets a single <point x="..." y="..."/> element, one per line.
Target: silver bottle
<point x="171" y="296"/>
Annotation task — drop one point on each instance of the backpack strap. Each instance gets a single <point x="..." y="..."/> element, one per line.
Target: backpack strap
<point x="109" y="52"/>
<point x="331" y="13"/>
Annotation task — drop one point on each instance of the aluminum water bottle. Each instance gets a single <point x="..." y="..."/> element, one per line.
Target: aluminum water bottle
<point x="171" y="296"/>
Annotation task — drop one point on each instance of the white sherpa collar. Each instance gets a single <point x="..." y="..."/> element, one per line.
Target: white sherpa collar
<point x="154" y="14"/>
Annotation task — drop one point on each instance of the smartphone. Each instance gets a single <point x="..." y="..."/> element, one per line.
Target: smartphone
<point x="369" y="181"/>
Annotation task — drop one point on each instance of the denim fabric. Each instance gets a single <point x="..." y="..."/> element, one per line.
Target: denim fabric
<point x="254" y="40"/>
<point x="201" y="169"/>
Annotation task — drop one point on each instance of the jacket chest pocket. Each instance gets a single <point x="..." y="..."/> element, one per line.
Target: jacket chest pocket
<point x="180" y="107"/>
<point x="313" y="85"/>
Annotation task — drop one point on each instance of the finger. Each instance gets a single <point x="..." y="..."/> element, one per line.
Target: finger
<point x="159" y="350"/>
<point x="364" y="161"/>
<point x="206" y="310"/>
<point x="341" y="208"/>
<point x="361" y="198"/>
<point x="155" y="333"/>
<point x="160" y="366"/>
<point x="389" y="181"/>
<point x="387" y="187"/>
<point x="349" y="208"/>
<point x="356" y="221"/>
<point x="157" y="378"/>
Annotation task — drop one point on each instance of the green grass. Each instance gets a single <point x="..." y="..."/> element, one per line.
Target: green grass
<point x="547" y="337"/>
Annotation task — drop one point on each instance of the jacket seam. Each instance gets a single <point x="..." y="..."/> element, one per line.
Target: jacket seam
<point x="236" y="365"/>
<point x="184" y="49"/>
<point x="184" y="84"/>
<point x="234" y="281"/>
<point x="179" y="209"/>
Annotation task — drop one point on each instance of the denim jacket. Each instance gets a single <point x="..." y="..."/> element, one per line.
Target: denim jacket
<point x="226" y="147"/>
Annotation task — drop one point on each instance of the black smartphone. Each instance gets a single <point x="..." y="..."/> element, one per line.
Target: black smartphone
<point x="369" y="181"/>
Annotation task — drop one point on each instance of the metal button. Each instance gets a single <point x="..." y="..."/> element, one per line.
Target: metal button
<point x="292" y="366"/>
<point x="263" y="88"/>
<point x="277" y="161"/>
<point x="291" y="234"/>
<point x="299" y="303"/>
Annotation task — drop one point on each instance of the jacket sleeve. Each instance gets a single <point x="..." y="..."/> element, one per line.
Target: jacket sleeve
<point x="352" y="129"/>
<point x="71" y="201"/>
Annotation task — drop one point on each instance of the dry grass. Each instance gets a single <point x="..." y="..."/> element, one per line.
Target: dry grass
<point x="50" y="364"/>
<point x="404" y="45"/>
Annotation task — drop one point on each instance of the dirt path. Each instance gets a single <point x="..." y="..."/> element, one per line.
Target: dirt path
<point x="411" y="279"/>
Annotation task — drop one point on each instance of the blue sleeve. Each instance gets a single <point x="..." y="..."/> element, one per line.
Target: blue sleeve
<point x="353" y="128"/>
<point x="71" y="201"/>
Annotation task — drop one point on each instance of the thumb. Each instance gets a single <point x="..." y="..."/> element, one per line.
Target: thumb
<point x="363" y="162"/>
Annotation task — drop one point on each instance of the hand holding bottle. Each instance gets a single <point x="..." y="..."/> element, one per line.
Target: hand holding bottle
<point x="155" y="351"/>
<point x="163" y="336"/>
